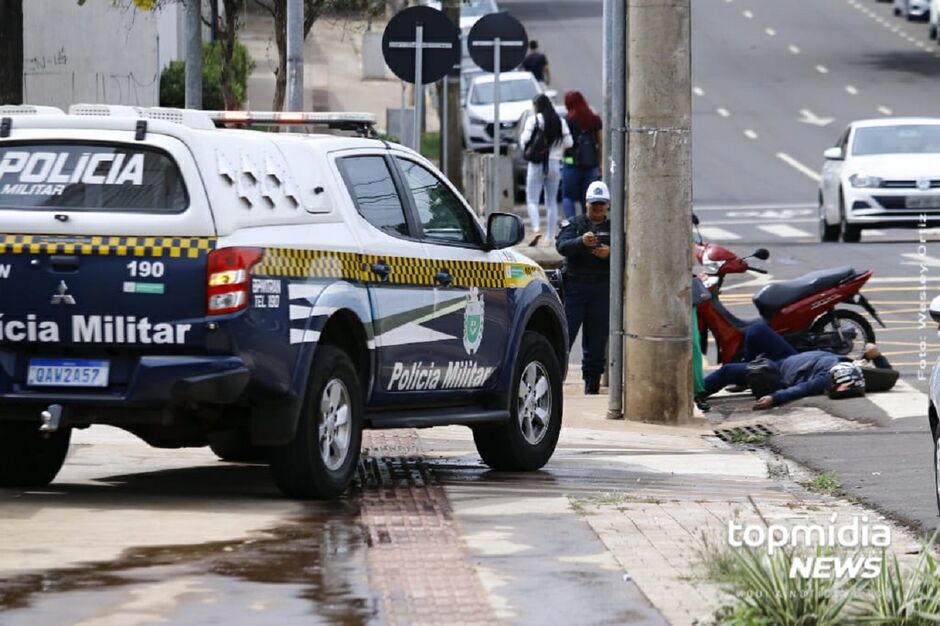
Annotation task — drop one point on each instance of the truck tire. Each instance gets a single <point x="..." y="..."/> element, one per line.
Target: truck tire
<point x="29" y="458"/>
<point x="527" y="441"/>
<point x="321" y="460"/>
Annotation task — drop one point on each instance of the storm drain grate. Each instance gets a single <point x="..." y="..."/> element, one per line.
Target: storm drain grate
<point x="745" y="434"/>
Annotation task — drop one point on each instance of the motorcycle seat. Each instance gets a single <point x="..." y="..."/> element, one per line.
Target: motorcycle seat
<point x="771" y="298"/>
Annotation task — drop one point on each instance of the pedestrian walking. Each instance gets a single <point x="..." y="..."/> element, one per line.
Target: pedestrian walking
<point x="537" y="63"/>
<point x="582" y="160"/>
<point x="543" y="141"/>
<point x="585" y="244"/>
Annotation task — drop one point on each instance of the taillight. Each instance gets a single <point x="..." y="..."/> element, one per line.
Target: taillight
<point x="228" y="273"/>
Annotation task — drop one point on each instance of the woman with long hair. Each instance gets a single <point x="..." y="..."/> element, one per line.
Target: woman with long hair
<point x="583" y="158"/>
<point x="544" y="139"/>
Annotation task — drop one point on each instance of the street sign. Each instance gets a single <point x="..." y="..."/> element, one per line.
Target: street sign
<point x="513" y="42"/>
<point x="497" y="43"/>
<point x="439" y="37"/>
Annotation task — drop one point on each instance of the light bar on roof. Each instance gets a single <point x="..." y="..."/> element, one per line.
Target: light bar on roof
<point x="291" y="117"/>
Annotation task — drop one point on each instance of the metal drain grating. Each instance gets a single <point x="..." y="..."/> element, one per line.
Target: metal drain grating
<point x="741" y="434"/>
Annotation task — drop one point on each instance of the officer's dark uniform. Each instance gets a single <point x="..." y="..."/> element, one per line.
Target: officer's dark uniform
<point x="587" y="293"/>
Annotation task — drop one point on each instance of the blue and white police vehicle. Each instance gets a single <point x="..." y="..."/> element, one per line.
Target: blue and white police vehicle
<point x="268" y="294"/>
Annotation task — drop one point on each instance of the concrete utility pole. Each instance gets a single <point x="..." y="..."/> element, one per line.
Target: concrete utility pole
<point x="194" y="54"/>
<point x="453" y="130"/>
<point x="659" y="207"/>
<point x="295" y="55"/>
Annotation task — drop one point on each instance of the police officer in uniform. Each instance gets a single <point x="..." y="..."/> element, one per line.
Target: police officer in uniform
<point x="585" y="243"/>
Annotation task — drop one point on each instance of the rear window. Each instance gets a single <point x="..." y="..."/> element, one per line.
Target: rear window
<point x="90" y="177"/>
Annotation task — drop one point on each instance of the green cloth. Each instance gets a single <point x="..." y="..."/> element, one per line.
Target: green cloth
<point x="698" y="375"/>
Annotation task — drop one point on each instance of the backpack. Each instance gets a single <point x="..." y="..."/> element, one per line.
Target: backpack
<point x="763" y="377"/>
<point x="537" y="148"/>
<point x="585" y="150"/>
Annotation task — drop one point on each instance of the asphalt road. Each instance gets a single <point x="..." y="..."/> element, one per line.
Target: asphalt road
<point x="774" y="84"/>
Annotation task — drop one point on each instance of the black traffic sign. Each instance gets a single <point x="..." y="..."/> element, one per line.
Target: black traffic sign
<point x="440" y="44"/>
<point x="513" y="42"/>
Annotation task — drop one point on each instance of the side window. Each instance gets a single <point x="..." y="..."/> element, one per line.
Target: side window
<point x="443" y="216"/>
<point x="371" y="186"/>
<point x="843" y="141"/>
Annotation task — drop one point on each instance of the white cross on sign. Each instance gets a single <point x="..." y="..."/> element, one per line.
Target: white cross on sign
<point x="424" y="45"/>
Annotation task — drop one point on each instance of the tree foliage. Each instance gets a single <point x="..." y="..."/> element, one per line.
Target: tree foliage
<point x="214" y="97"/>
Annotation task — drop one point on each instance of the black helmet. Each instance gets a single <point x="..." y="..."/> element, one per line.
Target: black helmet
<point x="845" y="381"/>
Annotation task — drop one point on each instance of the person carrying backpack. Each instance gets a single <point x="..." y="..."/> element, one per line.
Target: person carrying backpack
<point x="544" y="138"/>
<point x="582" y="160"/>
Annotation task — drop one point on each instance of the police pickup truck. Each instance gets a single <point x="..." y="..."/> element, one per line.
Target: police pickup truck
<point x="267" y="294"/>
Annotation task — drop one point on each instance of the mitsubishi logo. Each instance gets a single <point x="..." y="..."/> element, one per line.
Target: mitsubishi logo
<point x="923" y="184"/>
<point x="62" y="295"/>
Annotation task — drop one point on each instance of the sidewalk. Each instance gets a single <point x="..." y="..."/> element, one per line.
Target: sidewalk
<point x="649" y="493"/>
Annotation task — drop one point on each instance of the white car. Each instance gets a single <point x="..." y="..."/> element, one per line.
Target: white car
<point x="881" y="173"/>
<point x="517" y="89"/>
<point x="912" y="9"/>
<point x="934" y="18"/>
<point x="470" y="11"/>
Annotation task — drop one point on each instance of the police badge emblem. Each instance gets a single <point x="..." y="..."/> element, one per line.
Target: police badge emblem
<point x="473" y="321"/>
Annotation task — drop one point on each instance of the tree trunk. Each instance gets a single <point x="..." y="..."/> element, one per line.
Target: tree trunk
<point x="11" y="51"/>
<point x="280" y="38"/>
<point x="228" y="37"/>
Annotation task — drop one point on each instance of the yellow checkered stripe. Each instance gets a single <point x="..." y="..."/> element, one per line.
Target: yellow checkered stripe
<point x="295" y="263"/>
<point x="161" y="247"/>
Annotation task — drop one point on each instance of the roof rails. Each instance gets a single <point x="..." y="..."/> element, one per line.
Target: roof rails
<point x="185" y="117"/>
<point x="29" y="109"/>
<point x="362" y="124"/>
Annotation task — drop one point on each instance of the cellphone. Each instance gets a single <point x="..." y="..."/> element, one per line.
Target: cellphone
<point x="603" y="238"/>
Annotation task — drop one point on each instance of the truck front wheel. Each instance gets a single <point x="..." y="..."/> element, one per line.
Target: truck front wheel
<point x="29" y="458"/>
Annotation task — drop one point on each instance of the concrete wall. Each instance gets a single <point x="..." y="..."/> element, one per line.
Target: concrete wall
<point x="97" y="52"/>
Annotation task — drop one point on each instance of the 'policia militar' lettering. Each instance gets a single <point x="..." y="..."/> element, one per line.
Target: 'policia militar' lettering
<point x="118" y="329"/>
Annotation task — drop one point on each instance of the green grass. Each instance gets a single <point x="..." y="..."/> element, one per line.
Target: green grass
<point x="748" y="438"/>
<point x="825" y="483"/>
<point x="431" y="146"/>
<point x="582" y="506"/>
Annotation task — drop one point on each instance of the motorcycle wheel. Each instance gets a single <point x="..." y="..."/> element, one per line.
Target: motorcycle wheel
<point x="846" y="319"/>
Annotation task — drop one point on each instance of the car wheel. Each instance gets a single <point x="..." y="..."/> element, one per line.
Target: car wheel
<point x="321" y="460"/>
<point x="28" y="457"/>
<point x="932" y="31"/>
<point x="850" y="233"/>
<point x="527" y="441"/>
<point x="936" y="464"/>
<point x="897" y="12"/>
<point x="827" y="232"/>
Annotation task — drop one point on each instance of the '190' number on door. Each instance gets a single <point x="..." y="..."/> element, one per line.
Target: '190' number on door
<point x="145" y="269"/>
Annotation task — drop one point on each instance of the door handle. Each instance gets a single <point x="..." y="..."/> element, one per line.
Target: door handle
<point x="381" y="269"/>
<point x="443" y="278"/>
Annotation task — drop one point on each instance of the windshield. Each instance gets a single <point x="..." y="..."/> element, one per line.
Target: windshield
<point x="509" y="91"/>
<point x="905" y="139"/>
<point x="89" y="177"/>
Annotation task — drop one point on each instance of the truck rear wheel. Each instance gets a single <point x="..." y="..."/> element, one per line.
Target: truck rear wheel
<point x="29" y="458"/>
<point x="527" y="441"/>
<point x="321" y="460"/>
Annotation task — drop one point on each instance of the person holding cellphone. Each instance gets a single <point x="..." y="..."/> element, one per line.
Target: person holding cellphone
<point x="585" y="244"/>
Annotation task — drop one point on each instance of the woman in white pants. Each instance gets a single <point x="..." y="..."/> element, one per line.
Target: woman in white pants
<point x="544" y="155"/>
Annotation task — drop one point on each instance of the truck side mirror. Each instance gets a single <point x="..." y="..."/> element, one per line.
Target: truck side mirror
<point x="504" y="230"/>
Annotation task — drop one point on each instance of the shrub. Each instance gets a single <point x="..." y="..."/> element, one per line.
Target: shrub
<point x="173" y="78"/>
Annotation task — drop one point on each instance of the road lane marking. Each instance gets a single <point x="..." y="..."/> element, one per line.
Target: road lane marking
<point x="799" y="167"/>
<point x="902" y="401"/>
<point x="723" y="112"/>
<point x="822" y="69"/>
<point x="742" y="222"/>
<point x="713" y="232"/>
<point x="770" y="32"/>
<point x="794" y="49"/>
<point x="784" y="230"/>
<point x="808" y="117"/>
<point x="750" y="134"/>
<point x="744" y="207"/>
<point x="885" y="110"/>
<point x="698" y="91"/>
<point x="874" y="232"/>
<point x="748" y="14"/>
<point x="851" y="90"/>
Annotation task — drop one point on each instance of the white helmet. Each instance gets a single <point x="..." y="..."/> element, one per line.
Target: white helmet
<point x="597" y="192"/>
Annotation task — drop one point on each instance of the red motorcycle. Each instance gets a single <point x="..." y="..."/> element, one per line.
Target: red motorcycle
<point x="803" y="310"/>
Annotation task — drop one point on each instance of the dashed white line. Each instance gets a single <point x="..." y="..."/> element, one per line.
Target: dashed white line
<point x="851" y="90"/>
<point x="784" y="230"/>
<point x="723" y="112"/>
<point x="770" y="32"/>
<point x="919" y="44"/>
<point x="750" y="134"/>
<point x="698" y="91"/>
<point x="872" y="232"/>
<point x="880" y="20"/>
<point x="822" y="69"/>
<point x="794" y="49"/>
<point x="799" y="167"/>
<point x="713" y="232"/>
<point x="748" y="14"/>
<point x="885" y="110"/>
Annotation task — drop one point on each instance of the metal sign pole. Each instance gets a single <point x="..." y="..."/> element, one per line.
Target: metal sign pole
<point x="419" y="86"/>
<point x="444" y="127"/>
<point x="497" y="128"/>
